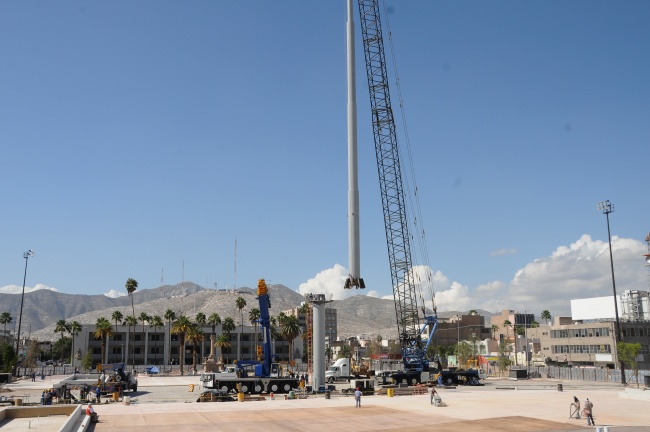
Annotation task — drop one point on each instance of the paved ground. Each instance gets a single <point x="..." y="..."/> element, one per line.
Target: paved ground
<point x="164" y="404"/>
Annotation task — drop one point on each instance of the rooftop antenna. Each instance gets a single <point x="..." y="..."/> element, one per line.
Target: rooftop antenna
<point x="162" y="274"/>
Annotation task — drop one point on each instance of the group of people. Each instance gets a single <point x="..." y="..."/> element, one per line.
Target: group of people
<point x="587" y="411"/>
<point x="47" y="396"/>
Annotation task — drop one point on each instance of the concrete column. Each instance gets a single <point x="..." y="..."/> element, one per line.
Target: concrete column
<point x="318" y="348"/>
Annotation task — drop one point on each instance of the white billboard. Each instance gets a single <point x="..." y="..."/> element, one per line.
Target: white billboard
<point x="593" y="308"/>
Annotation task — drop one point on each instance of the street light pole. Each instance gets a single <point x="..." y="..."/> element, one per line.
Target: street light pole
<point x="606" y="207"/>
<point x="26" y="255"/>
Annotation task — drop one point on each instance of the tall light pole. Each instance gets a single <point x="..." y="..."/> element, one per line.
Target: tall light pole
<point x="606" y="207"/>
<point x="26" y="255"/>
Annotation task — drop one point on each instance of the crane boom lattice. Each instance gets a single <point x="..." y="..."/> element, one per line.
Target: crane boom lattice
<point x="390" y="176"/>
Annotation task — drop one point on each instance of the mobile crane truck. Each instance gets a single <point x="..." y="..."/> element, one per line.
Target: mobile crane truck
<point x="253" y="377"/>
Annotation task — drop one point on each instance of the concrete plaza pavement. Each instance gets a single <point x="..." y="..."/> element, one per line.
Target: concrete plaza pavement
<point x="165" y="404"/>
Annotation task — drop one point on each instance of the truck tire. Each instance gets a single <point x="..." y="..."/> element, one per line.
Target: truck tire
<point x="275" y="387"/>
<point x="286" y="387"/>
<point x="224" y="388"/>
<point x="330" y="380"/>
<point x="243" y="387"/>
<point x="414" y="381"/>
<point x="257" y="389"/>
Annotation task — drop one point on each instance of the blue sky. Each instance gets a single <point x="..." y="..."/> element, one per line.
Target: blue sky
<point x="138" y="135"/>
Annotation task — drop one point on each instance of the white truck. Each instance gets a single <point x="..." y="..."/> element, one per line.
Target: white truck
<point x="344" y="370"/>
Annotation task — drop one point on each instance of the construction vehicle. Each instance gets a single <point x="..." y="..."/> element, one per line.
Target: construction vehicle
<point x="115" y="378"/>
<point x="253" y="377"/>
<point x="346" y="369"/>
<point x="410" y="323"/>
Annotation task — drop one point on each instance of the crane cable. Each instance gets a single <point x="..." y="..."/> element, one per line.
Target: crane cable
<point x="412" y="195"/>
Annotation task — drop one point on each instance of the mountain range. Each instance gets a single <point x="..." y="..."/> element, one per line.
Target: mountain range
<point x="356" y="315"/>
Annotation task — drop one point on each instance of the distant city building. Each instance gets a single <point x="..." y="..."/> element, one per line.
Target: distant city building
<point x="154" y="346"/>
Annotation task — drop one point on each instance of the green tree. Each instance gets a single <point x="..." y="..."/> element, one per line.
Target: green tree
<point x="8" y="357"/>
<point x="170" y="316"/>
<point x="241" y="303"/>
<point x="463" y="353"/>
<point x="223" y="341"/>
<point x="87" y="362"/>
<point x="195" y="335"/>
<point x="73" y="329"/>
<point x="5" y="318"/>
<point x="144" y="318"/>
<point x="253" y="317"/>
<point x="345" y="352"/>
<point x="131" y="321"/>
<point x="495" y="329"/>
<point x="504" y="361"/>
<point x="103" y="330"/>
<point x="520" y="330"/>
<point x="214" y="320"/>
<point x="61" y="327"/>
<point x="131" y="287"/>
<point x="33" y="352"/>
<point x="201" y="320"/>
<point x="117" y="317"/>
<point x="228" y="325"/>
<point x="290" y="329"/>
<point x="156" y="322"/>
<point x="628" y="354"/>
<point x="546" y="315"/>
<point x="181" y="327"/>
<point x="534" y="324"/>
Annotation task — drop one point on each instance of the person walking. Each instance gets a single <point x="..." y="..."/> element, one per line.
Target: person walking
<point x="589" y="412"/>
<point x="357" y="397"/>
<point x="98" y="394"/>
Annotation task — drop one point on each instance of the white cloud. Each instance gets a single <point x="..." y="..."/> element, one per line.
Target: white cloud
<point x="115" y="294"/>
<point x="329" y="282"/>
<point x="15" y="289"/>
<point x="579" y="270"/>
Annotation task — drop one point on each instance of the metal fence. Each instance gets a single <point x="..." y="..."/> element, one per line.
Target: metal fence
<point x="590" y="374"/>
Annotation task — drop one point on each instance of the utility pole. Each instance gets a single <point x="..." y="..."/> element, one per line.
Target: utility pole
<point x="606" y="207"/>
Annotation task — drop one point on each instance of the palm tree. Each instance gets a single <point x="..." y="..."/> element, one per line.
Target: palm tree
<point x="201" y="320"/>
<point x="534" y="324"/>
<point x="228" y="325"/>
<point x="214" y="320"/>
<point x="495" y="329"/>
<point x="181" y="327"/>
<point x="131" y="321"/>
<point x="253" y="317"/>
<point x="290" y="329"/>
<point x="61" y="327"/>
<point x="223" y="341"/>
<point x="73" y="328"/>
<point x="195" y="335"/>
<point x="241" y="303"/>
<point x="156" y="322"/>
<point x="103" y="330"/>
<point x="546" y="315"/>
<point x="117" y="317"/>
<point x="507" y="324"/>
<point x="345" y="352"/>
<point x="5" y="318"/>
<point x="144" y="318"/>
<point x="131" y="287"/>
<point x="170" y="316"/>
